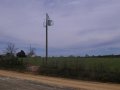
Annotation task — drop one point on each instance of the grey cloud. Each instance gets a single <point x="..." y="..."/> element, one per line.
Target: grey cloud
<point x="85" y="23"/>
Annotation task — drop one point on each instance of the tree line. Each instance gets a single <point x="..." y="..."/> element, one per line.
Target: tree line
<point x="11" y="50"/>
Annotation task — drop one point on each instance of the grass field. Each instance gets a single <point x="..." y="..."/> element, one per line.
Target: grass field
<point x="100" y="69"/>
<point x="110" y="63"/>
<point x="105" y="69"/>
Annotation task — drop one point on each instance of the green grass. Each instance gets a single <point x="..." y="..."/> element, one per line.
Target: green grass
<point x="33" y="61"/>
<point x="111" y="63"/>
<point x="100" y="69"/>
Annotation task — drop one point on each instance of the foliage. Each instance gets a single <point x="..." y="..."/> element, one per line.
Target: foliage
<point x="21" y="54"/>
<point x="12" y="63"/>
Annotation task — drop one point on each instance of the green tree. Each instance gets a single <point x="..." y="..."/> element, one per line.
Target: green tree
<point x="21" y="54"/>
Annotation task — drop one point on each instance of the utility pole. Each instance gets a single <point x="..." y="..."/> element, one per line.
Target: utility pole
<point x="46" y="37"/>
<point x="48" y="23"/>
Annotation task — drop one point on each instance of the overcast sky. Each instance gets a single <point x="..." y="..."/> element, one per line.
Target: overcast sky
<point x="80" y="26"/>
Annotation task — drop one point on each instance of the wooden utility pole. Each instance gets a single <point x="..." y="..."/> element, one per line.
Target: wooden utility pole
<point x="48" y="23"/>
<point x="46" y="37"/>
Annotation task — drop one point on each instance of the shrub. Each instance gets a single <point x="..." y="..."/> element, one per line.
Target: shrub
<point x="21" y="54"/>
<point x="11" y="63"/>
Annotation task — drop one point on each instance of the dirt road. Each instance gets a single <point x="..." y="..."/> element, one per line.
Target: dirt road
<point x="60" y="82"/>
<point x="18" y="84"/>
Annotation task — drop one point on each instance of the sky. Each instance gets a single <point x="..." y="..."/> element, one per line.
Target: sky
<point x="80" y="26"/>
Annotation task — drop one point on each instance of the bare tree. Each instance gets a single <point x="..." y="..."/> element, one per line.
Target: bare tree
<point x="10" y="49"/>
<point x="31" y="51"/>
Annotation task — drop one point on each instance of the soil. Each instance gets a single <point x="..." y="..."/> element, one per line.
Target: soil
<point x="10" y="80"/>
<point x="18" y="84"/>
